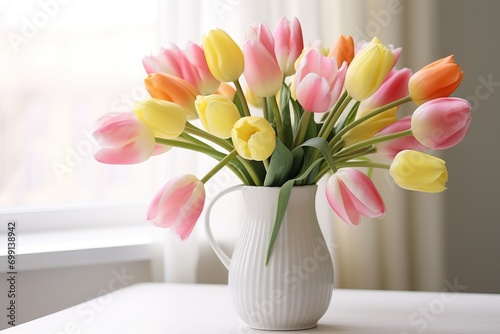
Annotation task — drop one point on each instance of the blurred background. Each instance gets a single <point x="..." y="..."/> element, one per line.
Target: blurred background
<point x="81" y="226"/>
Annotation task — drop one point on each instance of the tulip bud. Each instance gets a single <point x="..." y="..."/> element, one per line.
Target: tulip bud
<point x="217" y="114"/>
<point x="262" y="72"/>
<point x="224" y="57"/>
<point x="124" y="139"/>
<point x="441" y="123"/>
<point x="368" y="70"/>
<point x="188" y="64"/>
<point x="197" y="71"/>
<point x="173" y="89"/>
<point x="394" y="87"/>
<point x="253" y="138"/>
<point x="318" y="82"/>
<point x="178" y="205"/>
<point x="438" y="79"/>
<point x="352" y="194"/>
<point x="288" y="44"/>
<point x="414" y="170"/>
<point x="167" y="119"/>
<point x="343" y="50"/>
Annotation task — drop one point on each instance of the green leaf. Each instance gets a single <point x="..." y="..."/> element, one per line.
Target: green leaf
<point x="312" y="129"/>
<point x="283" y="198"/>
<point x="298" y="157"/>
<point x="287" y="124"/>
<point x="322" y="145"/>
<point x="298" y="111"/>
<point x="279" y="166"/>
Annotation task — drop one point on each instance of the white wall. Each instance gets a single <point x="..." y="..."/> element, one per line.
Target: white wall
<point x="470" y="29"/>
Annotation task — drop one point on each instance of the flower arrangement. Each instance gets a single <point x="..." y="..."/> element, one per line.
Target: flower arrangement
<point x="305" y="112"/>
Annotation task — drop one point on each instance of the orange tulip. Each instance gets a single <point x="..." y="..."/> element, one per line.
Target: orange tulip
<point x="438" y="79"/>
<point x="343" y="50"/>
<point x="170" y="88"/>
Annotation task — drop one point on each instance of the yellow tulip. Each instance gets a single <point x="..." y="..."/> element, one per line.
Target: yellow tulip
<point x="368" y="70"/>
<point x="414" y="170"/>
<point x="224" y="57"/>
<point x="167" y="119"/>
<point x="252" y="99"/>
<point x="371" y="126"/>
<point x="217" y="114"/>
<point x="253" y="138"/>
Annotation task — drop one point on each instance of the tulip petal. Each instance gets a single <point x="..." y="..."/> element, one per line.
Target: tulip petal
<point x="313" y="93"/>
<point x="418" y="171"/>
<point x="124" y="139"/>
<point x="351" y="194"/>
<point x="178" y="205"/>
<point x="262" y="71"/>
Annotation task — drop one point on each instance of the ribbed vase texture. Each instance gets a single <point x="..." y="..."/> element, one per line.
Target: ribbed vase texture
<point x="294" y="290"/>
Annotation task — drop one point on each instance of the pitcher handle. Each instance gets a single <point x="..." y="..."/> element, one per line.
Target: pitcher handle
<point x="223" y="257"/>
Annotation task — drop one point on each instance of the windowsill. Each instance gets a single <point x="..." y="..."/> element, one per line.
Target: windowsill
<point x="78" y="247"/>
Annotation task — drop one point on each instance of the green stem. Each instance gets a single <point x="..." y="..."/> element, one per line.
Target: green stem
<point x="243" y="100"/>
<point x="277" y="118"/>
<point x="334" y="115"/>
<point x="301" y="133"/>
<point x="265" y="111"/>
<point x="375" y="112"/>
<point x="335" y="147"/>
<point x="219" y="166"/>
<point x="206" y="149"/>
<point x="201" y="147"/>
<point x="374" y="140"/>
<point x="364" y="164"/>
<point x="266" y="164"/>
<point x="225" y="145"/>
<point x="203" y="134"/>
<point x="251" y="171"/>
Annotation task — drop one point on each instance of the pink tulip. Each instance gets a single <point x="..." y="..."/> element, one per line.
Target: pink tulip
<point x="124" y="139"/>
<point x="288" y="44"/>
<point x="352" y="194"/>
<point x="318" y="83"/>
<point x="392" y="147"/>
<point x="441" y="123"/>
<point x="262" y="72"/>
<point x="178" y="205"/>
<point x="188" y="64"/>
<point x="394" y="87"/>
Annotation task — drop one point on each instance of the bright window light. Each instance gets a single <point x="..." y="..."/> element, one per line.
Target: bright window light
<point x="64" y="64"/>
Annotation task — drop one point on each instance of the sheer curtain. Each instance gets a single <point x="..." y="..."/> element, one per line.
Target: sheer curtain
<point x="402" y="251"/>
<point x="60" y="72"/>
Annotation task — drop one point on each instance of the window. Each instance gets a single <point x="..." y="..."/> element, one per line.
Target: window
<point x="65" y="64"/>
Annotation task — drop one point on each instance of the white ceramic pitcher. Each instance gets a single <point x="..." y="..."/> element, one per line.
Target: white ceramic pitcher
<point x="294" y="290"/>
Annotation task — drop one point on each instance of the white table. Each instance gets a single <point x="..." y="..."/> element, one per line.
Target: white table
<point x="160" y="308"/>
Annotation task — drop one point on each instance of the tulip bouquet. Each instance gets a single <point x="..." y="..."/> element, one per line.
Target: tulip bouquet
<point x="303" y="113"/>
